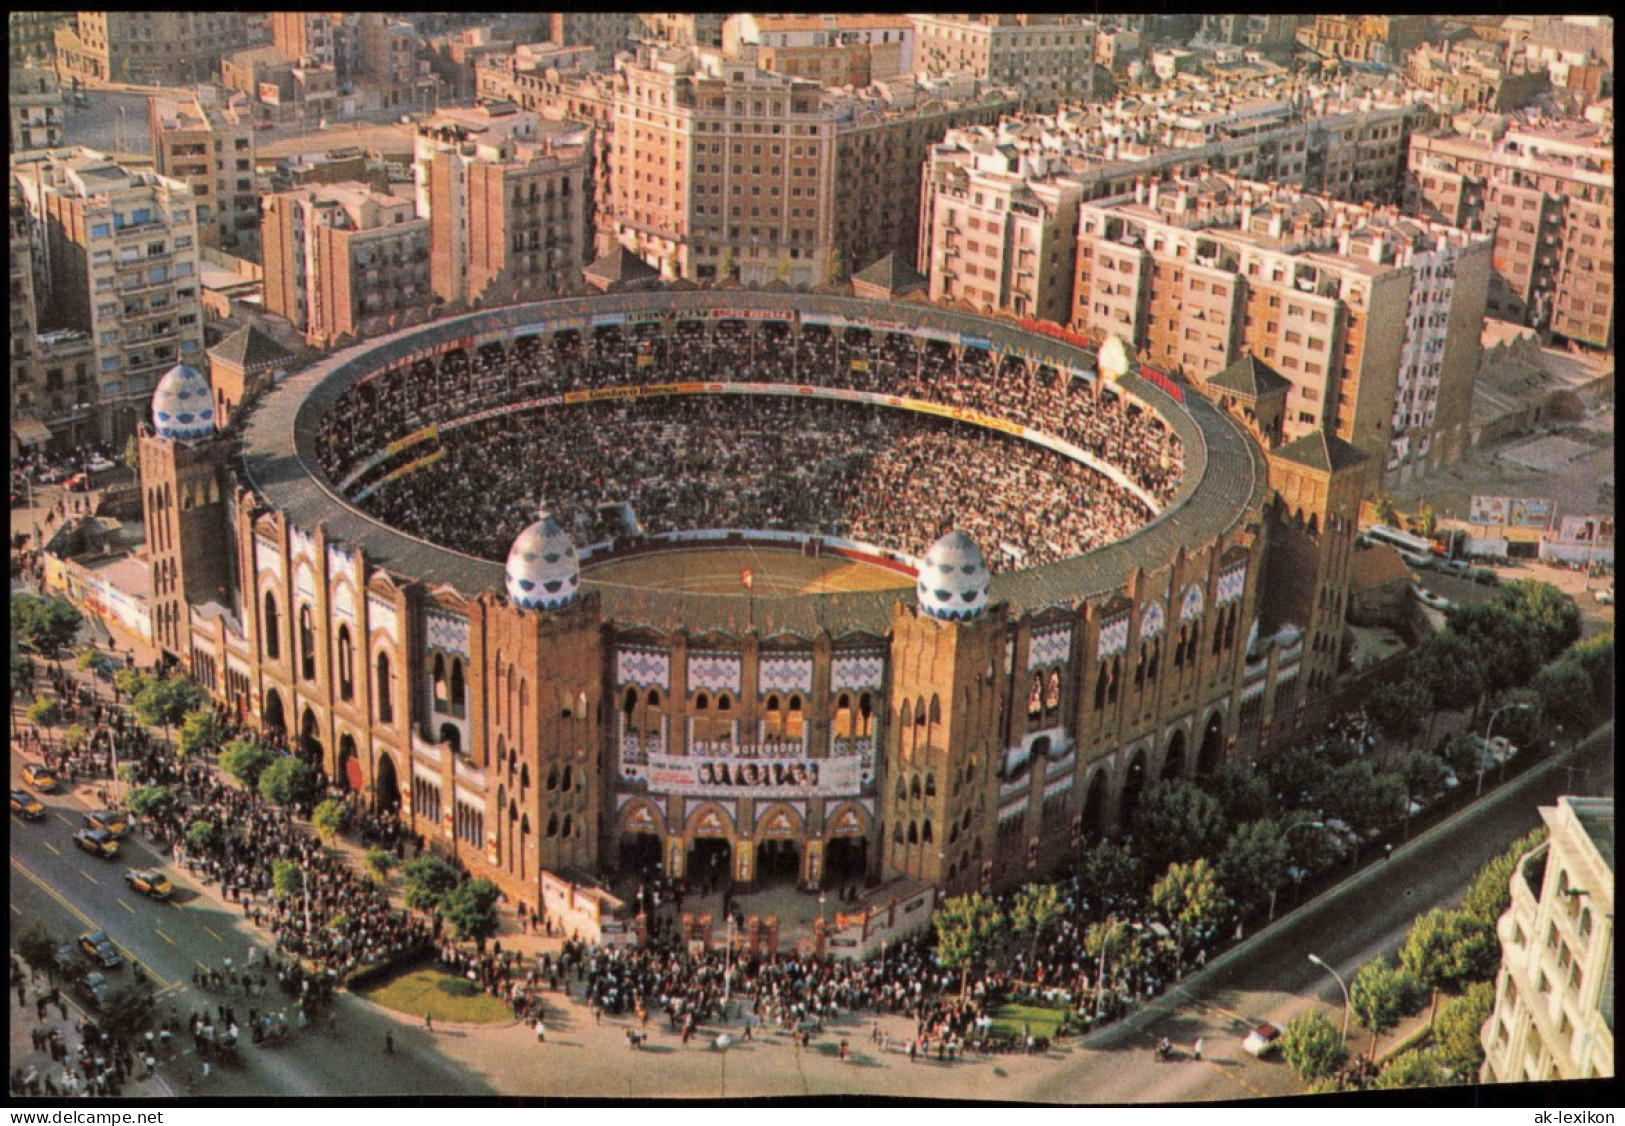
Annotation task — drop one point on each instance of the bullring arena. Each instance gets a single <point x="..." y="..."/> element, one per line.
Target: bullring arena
<point x="737" y="585"/>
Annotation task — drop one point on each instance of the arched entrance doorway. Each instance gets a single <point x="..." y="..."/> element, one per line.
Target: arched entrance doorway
<point x="1212" y="750"/>
<point x="641" y="854"/>
<point x="349" y="770"/>
<point x="846" y="860"/>
<point x="310" y="743"/>
<point x="1173" y="764"/>
<point x="1133" y="787"/>
<point x="386" y="787"/>
<point x="272" y="717"/>
<point x="1094" y="809"/>
<point x="709" y="862"/>
<point x="778" y="861"/>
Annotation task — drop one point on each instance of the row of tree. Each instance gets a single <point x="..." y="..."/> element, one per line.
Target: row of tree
<point x="1450" y="955"/>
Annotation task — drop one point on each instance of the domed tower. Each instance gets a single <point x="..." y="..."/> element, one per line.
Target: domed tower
<point x="184" y="465"/>
<point x="942" y="743"/>
<point x="542" y="572"/>
<point x="953" y="584"/>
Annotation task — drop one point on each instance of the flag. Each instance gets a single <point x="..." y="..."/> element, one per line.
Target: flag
<point x="747" y="577"/>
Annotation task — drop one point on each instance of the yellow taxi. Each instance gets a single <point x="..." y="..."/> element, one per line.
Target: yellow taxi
<point x="150" y="882"/>
<point x="42" y="778"/>
<point x="26" y="805"/>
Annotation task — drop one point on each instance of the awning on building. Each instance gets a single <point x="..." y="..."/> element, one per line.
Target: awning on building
<point x="30" y="432"/>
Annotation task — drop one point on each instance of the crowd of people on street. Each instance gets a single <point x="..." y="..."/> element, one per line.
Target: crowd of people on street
<point x="892" y="478"/>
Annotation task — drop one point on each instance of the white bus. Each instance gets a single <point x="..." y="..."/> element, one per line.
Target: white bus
<point x="1415" y="550"/>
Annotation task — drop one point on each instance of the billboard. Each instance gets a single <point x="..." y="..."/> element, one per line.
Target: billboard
<point x="1489" y="510"/>
<point x="1531" y="512"/>
<point x="1586" y="531"/>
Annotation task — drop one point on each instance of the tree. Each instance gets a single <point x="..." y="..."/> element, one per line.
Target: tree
<point x="164" y="703"/>
<point x="200" y="835"/>
<point x="1564" y="692"/>
<point x="1380" y="996"/>
<point x="967" y="928"/>
<point x="1521" y="726"/>
<point x="1451" y="670"/>
<point x="129" y="1009"/>
<point x="1547" y="615"/>
<point x="1490" y="893"/>
<point x="1427" y="521"/>
<point x="44" y="712"/>
<point x="330" y="818"/>
<point x="1400" y="709"/>
<point x="1254" y="862"/>
<point x="1449" y="950"/>
<point x="287" y="878"/>
<point x="74" y="736"/>
<point x="379" y="863"/>
<point x="1242" y="792"/>
<point x="38" y="947"/>
<point x="1113" y="873"/>
<point x="1505" y="653"/>
<point x="1461" y="753"/>
<point x="287" y="780"/>
<point x="1036" y="908"/>
<point x="91" y="659"/>
<point x="1191" y="901"/>
<point x="1177" y="821"/>
<point x="1424" y="773"/>
<point x="1364" y="798"/>
<point x="47" y="625"/>
<point x="471" y="910"/>
<point x="427" y="880"/>
<point x="1299" y="777"/>
<point x="245" y="760"/>
<point x="22" y="670"/>
<point x="130" y="682"/>
<point x="1386" y="513"/>
<point x="145" y="801"/>
<point x="200" y="732"/>
<point x="1312" y="1047"/>
<point x="1456" y="1028"/>
<point x="1410" y="1070"/>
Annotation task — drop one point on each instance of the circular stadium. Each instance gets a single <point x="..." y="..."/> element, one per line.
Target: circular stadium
<point x="748" y="543"/>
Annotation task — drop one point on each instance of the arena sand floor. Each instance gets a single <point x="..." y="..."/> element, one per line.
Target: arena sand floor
<point x="718" y="571"/>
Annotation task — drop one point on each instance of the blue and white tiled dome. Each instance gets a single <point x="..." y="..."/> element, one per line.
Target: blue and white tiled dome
<point x="954" y="582"/>
<point x="183" y="405"/>
<point x="543" y="572"/>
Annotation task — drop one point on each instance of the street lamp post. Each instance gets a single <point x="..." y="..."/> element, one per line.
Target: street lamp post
<point x="1479" y="792"/>
<point x="1315" y="958"/>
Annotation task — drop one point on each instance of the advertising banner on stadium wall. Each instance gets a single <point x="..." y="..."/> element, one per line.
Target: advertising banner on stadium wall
<point x="1586" y="531"/>
<point x="1489" y="510"/>
<point x="1531" y="512"/>
<point x="743" y="774"/>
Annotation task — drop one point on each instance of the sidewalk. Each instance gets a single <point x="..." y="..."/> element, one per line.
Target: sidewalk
<point x="24" y="1023"/>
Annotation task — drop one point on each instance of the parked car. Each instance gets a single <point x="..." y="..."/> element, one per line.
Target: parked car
<point x="150" y="882"/>
<point x="99" y="464"/>
<point x="1606" y="597"/>
<point x="42" y="778"/>
<point x="111" y="820"/>
<point x="1486" y="577"/>
<point x="93" y="988"/>
<point x="1429" y="599"/>
<point x="97" y="842"/>
<point x="96" y="946"/>
<point x="1455" y="566"/>
<point x="26" y="805"/>
<point x="1261" y="1040"/>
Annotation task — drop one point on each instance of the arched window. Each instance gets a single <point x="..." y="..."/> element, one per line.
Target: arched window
<point x="930" y="785"/>
<point x="346" y="664"/>
<point x="914" y="786"/>
<point x="272" y="630"/>
<point x="1035" y="697"/>
<point x="702" y="702"/>
<point x="438" y="679"/>
<point x="793" y="719"/>
<point x="566" y="832"/>
<point x="459" y="699"/>
<point x="926" y="835"/>
<point x="1052" y="693"/>
<point x="629" y="705"/>
<point x="524" y="776"/>
<point x="552" y="779"/>
<point x="307" y="643"/>
<point x="383" y="690"/>
<point x="724" y="703"/>
<point x="653" y="699"/>
<point x="502" y="753"/>
<point x="568" y="782"/>
<point x="913" y="832"/>
<point x="553" y="826"/>
<point x="897" y="833"/>
<point x="866" y="714"/>
<point x="1100" y="686"/>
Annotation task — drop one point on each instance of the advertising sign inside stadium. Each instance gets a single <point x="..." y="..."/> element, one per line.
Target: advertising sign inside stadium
<point x="1489" y="510"/>
<point x="1586" y="531"/>
<point x="1531" y="512"/>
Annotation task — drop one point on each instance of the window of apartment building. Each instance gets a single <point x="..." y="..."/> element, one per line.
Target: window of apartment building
<point x="1294" y="337"/>
<point x="1306" y="417"/>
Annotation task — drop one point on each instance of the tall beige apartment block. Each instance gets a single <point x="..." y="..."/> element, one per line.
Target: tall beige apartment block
<point x="507" y="197"/>
<point x="1051" y="57"/>
<point x="209" y="145"/>
<point x="343" y="261"/>
<point x="720" y="169"/>
<point x="1373" y="318"/>
<point x="1554" y="998"/>
<point x="121" y="265"/>
<point x="146" y="45"/>
<point x="1547" y="195"/>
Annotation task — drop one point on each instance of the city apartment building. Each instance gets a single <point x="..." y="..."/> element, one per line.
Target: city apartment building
<point x="1366" y="39"/>
<point x="1373" y="319"/>
<point x="1554" y="999"/>
<point x="1050" y="57"/>
<point x="120" y="264"/>
<point x="52" y="386"/>
<point x="31" y="36"/>
<point x="1358" y="156"/>
<point x="997" y="228"/>
<point x="159" y="47"/>
<point x="1252" y="30"/>
<point x="209" y="145"/>
<point x="1547" y="196"/>
<point x="506" y="195"/>
<point x="720" y="170"/>
<point x="344" y="261"/>
<point x="847" y="49"/>
<point x="880" y="146"/>
<point x="34" y="108"/>
<point x="390" y="70"/>
<point x="1472" y="75"/>
<point x="681" y="29"/>
<point x="322" y="38"/>
<point x="607" y="33"/>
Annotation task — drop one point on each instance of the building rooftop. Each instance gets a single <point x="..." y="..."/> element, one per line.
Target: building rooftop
<point x="1596" y="817"/>
<point x="250" y="349"/>
<point x="1251" y="377"/>
<point x="1320" y="450"/>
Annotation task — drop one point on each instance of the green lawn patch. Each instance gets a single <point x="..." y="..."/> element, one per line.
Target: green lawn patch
<point x="1010" y="1019"/>
<point x="443" y="996"/>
